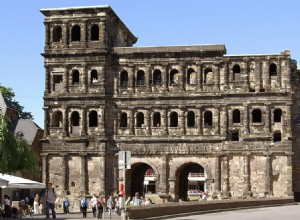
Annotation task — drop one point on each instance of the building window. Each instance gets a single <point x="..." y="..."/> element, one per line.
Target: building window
<point x="277" y="115"/>
<point x="156" y="77"/>
<point x="236" y="116"/>
<point x="235" y="136"/>
<point x="156" y="119"/>
<point x="124" y="79"/>
<point x="94" y="76"/>
<point x="123" y="122"/>
<point x="95" y="32"/>
<point x="208" y="75"/>
<point x="75" y="36"/>
<point x="93" y="119"/>
<point x="236" y="73"/>
<point x="208" y="119"/>
<point x="57" y="82"/>
<point x="273" y="69"/>
<point x="256" y="116"/>
<point x="174" y="119"/>
<point x="140" y="78"/>
<point x="174" y="80"/>
<point x="191" y="119"/>
<point x="57" y="34"/>
<point x="191" y="77"/>
<point x="57" y="119"/>
<point x="139" y="119"/>
<point x="277" y="137"/>
<point x="75" y="119"/>
<point x="75" y="77"/>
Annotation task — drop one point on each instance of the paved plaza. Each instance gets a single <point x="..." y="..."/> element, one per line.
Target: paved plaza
<point x="290" y="212"/>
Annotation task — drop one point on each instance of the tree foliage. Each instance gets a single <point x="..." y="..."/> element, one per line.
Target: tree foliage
<point x="15" y="153"/>
<point x="9" y="94"/>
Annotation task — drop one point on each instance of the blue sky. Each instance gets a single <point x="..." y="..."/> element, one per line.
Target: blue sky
<point x="245" y="27"/>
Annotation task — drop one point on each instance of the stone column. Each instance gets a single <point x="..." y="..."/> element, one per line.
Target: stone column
<point x="257" y="76"/>
<point x="182" y="123"/>
<point x="199" y="77"/>
<point x="102" y="173"/>
<point x="163" y="181"/>
<point x="181" y="77"/>
<point x="246" y="120"/>
<point x="266" y="75"/>
<point x="102" y="31"/>
<point x="165" y="122"/>
<point x="46" y="122"/>
<point x="288" y="120"/>
<point x="47" y="80"/>
<point x="47" y="35"/>
<point x="200" y="117"/>
<point x="64" y="35"/>
<point x="267" y="185"/>
<point x="148" y="122"/>
<point x="83" y="172"/>
<point x="225" y="177"/>
<point x="131" y="122"/>
<point x="246" y="175"/>
<point x="164" y="76"/>
<point x="130" y="79"/>
<point x="84" y="123"/>
<point x="289" y="173"/>
<point x="217" y="176"/>
<point x="217" y="77"/>
<point x="226" y="76"/>
<point x="84" y="78"/>
<point x="279" y="74"/>
<point x="246" y="83"/>
<point x="65" y="122"/>
<point x="45" y="176"/>
<point x="116" y="123"/>
<point x="64" y="187"/>
<point x="223" y="120"/>
<point x="267" y="119"/>
<point x="148" y="79"/>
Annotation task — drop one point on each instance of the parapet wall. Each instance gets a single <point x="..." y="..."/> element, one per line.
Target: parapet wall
<point x="171" y="209"/>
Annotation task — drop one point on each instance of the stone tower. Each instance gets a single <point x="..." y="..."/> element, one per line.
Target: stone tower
<point x="179" y="110"/>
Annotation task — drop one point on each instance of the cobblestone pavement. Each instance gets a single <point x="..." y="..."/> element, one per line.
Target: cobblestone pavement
<point x="70" y="216"/>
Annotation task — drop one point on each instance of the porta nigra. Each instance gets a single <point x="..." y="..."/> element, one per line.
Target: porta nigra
<point x="179" y="110"/>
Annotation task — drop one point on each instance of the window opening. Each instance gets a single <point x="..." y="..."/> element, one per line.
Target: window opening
<point x="57" y="119"/>
<point x="93" y="119"/>
<point x="75" y="77"/>
<point x="236" y="116"/>
<point x="57" y="82"/>
<point x="140" y="81"/>
<point x="235" y="136"/>
<point x="256" y="115"/>
<point x="174" y="119"/>
<point x="191" y="119"/>
<point x="191" y="76"/>
<point x="94" y="76"/>
<point x="208" y="75"/>
<point x="124" y="79"/>
<point x="277" y="115"/>
<point x="95" y="33"/>
<point x="75" y="33"/>
<point x="236" y="73"/>
<point x="277" y="137"/>
<point x="156" y="119"/>
<point x="139" y="120"/>
<point x="174" y="77"/>
<point x="273" y="69"/>
<point x="123" y="122"/>
<point x="208" y="119"/>
<point x="157" y="77"/>
<point x="57" y="34"/>
<point x="75" y="119"/>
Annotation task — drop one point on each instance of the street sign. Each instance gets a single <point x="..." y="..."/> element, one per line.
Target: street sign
<point x="124" y="160"/>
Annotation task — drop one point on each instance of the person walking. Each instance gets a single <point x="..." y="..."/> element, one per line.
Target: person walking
<point x="110" y="205"/>
<point x="7" y="207"/>
<point x="94" y="205"/>
<point x="50" y="197"/>
<point x="84" y="205"/>
<point x="36" y="204"/>
<point x="136" y="199"/>
<point x="100" y="207"/>
<point x="66" y="205"/>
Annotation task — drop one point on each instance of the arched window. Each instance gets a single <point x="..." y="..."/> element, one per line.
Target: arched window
<point x="95" y="32"/>
<point x="57" y="119"/>
<point x="75" y="118"/>
<point x="156" y="77"/>
<point x="94" y="76"/>
<point x="139" y="119"/>
<point x="208" y="75"/>
<point x="277" y="137"/>
<point x="156" y="119"/>
<point x="140" y="78"/>
<point x="236" y="116"/>
<point x="57" y="34"/>
<point x="124" y="79"/>
<point x="191" y="119"/>
<point x="208" y="119"/>
<point x="75" y="36"/>
<point x="191" y="76"/>
<point x="256" y="116"/>
<point x="236" y="73"/>
<point x="174" y="119"/>
<point x="273" y="69"/>
<point x="174" y="80"/>
<point x="123" y="121"/>
<point x="277" y="115"/>
<point x="93" y="119"/>
<point x="75" y="77"/>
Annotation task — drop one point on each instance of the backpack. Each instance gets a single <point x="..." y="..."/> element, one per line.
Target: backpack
<point x="66" y="203"/>
<point x="84" y="203"/>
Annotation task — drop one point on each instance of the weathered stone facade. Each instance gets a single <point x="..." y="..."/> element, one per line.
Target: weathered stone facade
<point x="172" y="107"/>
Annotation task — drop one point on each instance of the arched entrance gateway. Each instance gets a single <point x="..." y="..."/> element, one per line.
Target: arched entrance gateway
<point x="141" y="179"/>
<point x="190" y="180"/>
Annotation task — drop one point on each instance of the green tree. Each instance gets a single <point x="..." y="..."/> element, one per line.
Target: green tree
<point x="15" y="153"/>
<point x="9" y="94"/>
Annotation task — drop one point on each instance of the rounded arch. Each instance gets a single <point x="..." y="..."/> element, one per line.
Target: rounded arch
<point x="273" y="69"/>
<point x="57" y="33"/>
<point x="75" y="118"/>
<point x="137" y="174"/>
<point x="156" y="77"/>
<point x="57" y="118"/>
<point x="236" y="70"/>
<point x="124" y="78"/>
<point x="173" y="119"/>
<point x="95" y="32"/>
<point x="75" y="77"/>
<point x="191" y="76"/>
<point x="174" y="77"/>
<point x="94" y="76"/>
<point x="93" y="118"/>
<point x="156" y="119"/>
<point x="140" y="78"/>
<point x="75" y="33"/>
<point x="208" y="75"/>
<point x="140" y="120"/>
